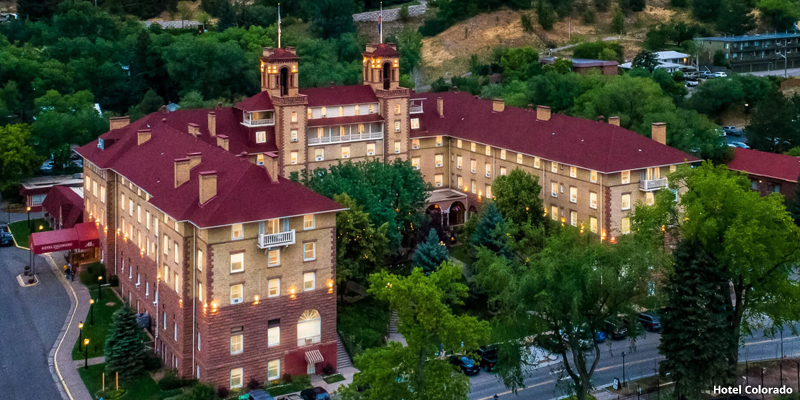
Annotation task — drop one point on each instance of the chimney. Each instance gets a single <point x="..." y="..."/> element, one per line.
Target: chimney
<point x="143" y="136"/>
<point x="119" y="122"/>
<point x="208" y="186"/>
<point x="212" y="123"/>
<point x="194" y="159"/>
<point x="271" y="165"/>
<point x="222" y="141"/>
<point x="601" y="118"/>
<point x="440" y="107"/>
<point x="182" y="169"/>
<point x="659" y="132"/>
<point x="498" y="105"/>
<point x="543" y="113"/>
<point x="194" y="129"/>
<point x="613" y="121"/>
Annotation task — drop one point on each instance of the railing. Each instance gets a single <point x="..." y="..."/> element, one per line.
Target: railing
<point x="345" y="138"/>
<point x="276" y="239"/>
<point x="652" y="184"/>
<point x="415" y="109"/>
<point x="308" y="341"/>
<point x="260" y="122"/>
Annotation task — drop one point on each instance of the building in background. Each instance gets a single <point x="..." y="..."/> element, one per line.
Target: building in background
<point x="671" y="61"/>
<point x="34" y="190"/>
<point x="751" y="53"/>
<point x="584" y="66"/>
<point x="768" y="172"/>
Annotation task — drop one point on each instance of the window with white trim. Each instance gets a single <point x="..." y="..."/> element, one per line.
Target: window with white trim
<point x="237" y="293"/>
<point x="438" y="180"/>
<point x="489" y="191"/>
<point x="261" y="137"/>
<point x="626" y="176"/>
<point x="177" y="253"/>
<point x="554" y="189"/>
<point x="397" y="147"/>
<point x="274" y="287"/>
<point x="415" y="162"/>
<point x="488" y="170"/>
<point x="439" y="141"/>
<point x="414" y="123"/>
<point x="414" y="143"/>
<point x="554" y="212"/>
<point x="459" y="159"/>
<point x="309" y="221"/>
<point x="273" y="370"/>
<point x="626" y="201"/>
<point x="458" y="143"/>
<point x="460" y="182"/>
<point x="274" y="258"/>
<point x="293" y="158"/>
<point x="294" y="116"/>
<point x="473" y="165"/>
<point x="319" y="154"/>
<point x="345" y="151"/>
<point x="488" y="150"/>
<point x="473" y="147"/>
<point x="573" y="172"/>
<point x="237" y="231"/>
<point x="370" y="149"/>
<point x="573" y="194"/>
<point x="236" y="378"/>
<point x="309" y="281"/>
<point x="573" y="218"/>
<point x="503" y="154"/>
<point x="237" y="344"/>
<point x="273" y="334"/>
<point x="593" y="176"/>
<point x="553" y="167"/>
<point x="309" y="251"/>
<point x="503" y="171"/>
<point x="293" y="135"/>
<point x="397" y="108"/>
<point x="439" y="160"/>
<point x="237" y="262"/>
<point x="593" y="224"/>
<point x="593" y="200"/>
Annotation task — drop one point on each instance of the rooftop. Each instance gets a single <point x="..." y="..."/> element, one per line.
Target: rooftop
<point x="669" y="54"/>
<point x="339" y="95"/>
<point x="771" y="165"/>
<point x="745" y="38"/>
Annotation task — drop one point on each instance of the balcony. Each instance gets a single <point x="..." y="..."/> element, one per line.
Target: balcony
<point x="308" y="341"/>
<point x="652" y="184"/>
<point x="354" y="137"/>
<point x="266" y="241"/>
<point x="262" y="122"/>
<point x="258" y="118"/>
<point x="415" y="109"/>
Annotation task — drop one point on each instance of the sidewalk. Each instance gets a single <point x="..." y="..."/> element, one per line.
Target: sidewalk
<point x="62" y="367"/>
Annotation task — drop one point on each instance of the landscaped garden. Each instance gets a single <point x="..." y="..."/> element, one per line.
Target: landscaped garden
<point x="96" y="332"/>
<point x="22" y="230"/>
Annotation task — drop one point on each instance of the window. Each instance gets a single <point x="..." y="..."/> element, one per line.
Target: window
<point x="319" y="154"/>
<point x="237" y="231"/>
<point x="261" y="137"/>
<point x="259" y="159"/>
<point x="439" y="141"/>
<point x="626" y="201"/>
<point x="371" y="109"/>
<point x="553" y="167"/>
<point x="519" y="158"/>
<point x="776" y="189"/>
<point x="554" y="189"/>
<point x="130" y="210"/>
<point x="460" y="182"/>
<point x="438" y="179"/>
<point x="294" y="116"/>
<point x="236" y="378"/>
<point x="237" y="294"/>
<point x="177" y="253"/>
<point x="177" y="282"/>
<point x="753" y="186"/>
<point x="293" y="158"/>
<point x="593" y="176"/>
<point x="237" y="262"/>
<point x="488" y="150"/>
<point x="357" y="110"/>
<point x="274" y="258"/>
<point x="458" y="143"/>
<point x="273" y="333"/>
<point x="341" y="111"/>
<point x="166" y="274"/>
<point x="593" y="200"/>
<point x="371" y="149"/>
<point x="274" y="370"/>
<point x="345" y="151"/>
<point x="310" y="114"/>
<point x="488" y="170"/>
<point x="415" y="162"/>
<point x="573" y="194"/>
<point x="309" y="251"/>
<point x="397" y="125"/>
<point x="593" y="224"/>
<point x="200" y="291"/>
<point x="472" y="147"/>
<point x="274" y="286"/>
<point x="236" y="343"/>
<point x="87" y="183"/>
<point x="489" y="191"/>
<point x="503" y="171"/>
<point x="397" y="108"/>
<point x="473" y="165"/>
<point x="626" y="176"/>
<point x="573" y="218"/>
<point x="472" y="185"/>
<point x="294" y="135"/>
<point x="414" y="123"/>
<point x="309" y="281"/>
<point x="439" y="158"/>
<point x="396" y="147"/>
<point x="649" y="199"/>
<point x="309" y="221"/>
<point x="122" y="202"/>
<point x="324" y="112"/>
<point x="166" y="241"/>
<point x="103" y="194"/>
<point x="554" y="212"/>
<point x="672" y="168"/>
<point x="459" y="159"/>
<point x="573" y="172"/>
<point x="308" y="327"/>
<point x="625" y="226"/>
<point x="503" y="154"/>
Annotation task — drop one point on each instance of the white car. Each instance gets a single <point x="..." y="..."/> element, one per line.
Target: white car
<point x="740" y="145"/>
<point x="720" y="74"/>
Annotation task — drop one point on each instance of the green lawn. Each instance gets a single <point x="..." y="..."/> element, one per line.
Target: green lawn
<point x="102" y="320"/>
<point x="298" y="383"/>
<point x="21" y="232"/>
<point x="333" y="378"/>
<point x="141" y="388"/>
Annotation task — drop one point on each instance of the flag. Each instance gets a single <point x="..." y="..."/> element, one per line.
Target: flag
<point x="379" y="23"/>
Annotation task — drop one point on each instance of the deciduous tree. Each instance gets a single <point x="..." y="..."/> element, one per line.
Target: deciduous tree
<point x="360" y="245"/>
<point x="17" y="158"/>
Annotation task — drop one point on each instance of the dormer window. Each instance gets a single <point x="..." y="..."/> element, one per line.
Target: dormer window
<point x="310" y="113"/>
<point x="261" y="137"/>
<point x="371" y="109"/>
<point x="341" y="111"/>
<point x="324" y="112"/>
<point x="358" y="110"/>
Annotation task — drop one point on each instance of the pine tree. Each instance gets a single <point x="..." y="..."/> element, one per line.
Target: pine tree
<point x="696" y="338"/>
<point x="430" y="254"/>
<point x="618" y="22"/>
<point x="124" y="347"/>
<point x="490" y="232"/>
<point x="546" y="16"/>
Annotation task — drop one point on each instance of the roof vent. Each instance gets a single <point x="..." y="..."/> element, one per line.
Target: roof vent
<point x="543" y="113"/>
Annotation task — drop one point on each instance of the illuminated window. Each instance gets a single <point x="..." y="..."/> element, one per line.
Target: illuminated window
<point x="573" y="218"/>
<point x="309" y="221"/>
<point x="293" y="158"/>
<point x="309" y="251"/>
<point x="489" y="191"/>
<point x="472" y="185"/>
<point x="397" y="125"/>
<point x="237" y="231"/>
<point x="345" y="151"/>
<point x="519" y="158"/>
<point x="439" y="159"/>
<point x="310" y="114"/>
<point x="626" y="176"/>
<point x="259" y="159"/>
<point x="261" y="137"/>
<point x="472" y="147"/>
<point x="371" y="109"/>
<point x="649" y="198"/>
<point x="371" y="149"/>
<point x="473" y="165"/>
<point x="414" y="143"/>
<point x="237" y="293"/>
<point x="397" y="108"/>
<point x="439" y="141"/>
<point x="554" y="213"/>
<point x="274" y="370"/>
<point x="458" y="143"/>
<point x="553" y="167"/>
<point x="672" y="168"/>
<point x="503" y="171"/>
<point x="414" y="123"/>
<point x="294" y="116"/>
<point x="274" y="286"/>
<point x="458" y="161"/>
<point x="626" y="201"/>
<point x="324" y="112"/>
<point x="593" y="200"/>
<point x="593" y="224"/>
<point x="358" y="109"/>
<point x="460" y="181"/>
<point x="488" y="150"/>
<point x="237" y="262"/>
<point x="273" y="333"/>
<point x="236" y="378"/>
<point x="573" y="172"/>
<point x="309" y="281"/>
<point x="274" y="258"/>
<point x="554" y="189"/>
<point x="488" y="170"/>
<point x="341" y="111"/>
<point x="294" y="135"/>
<point x="593" y="176"/>
<point x="319" y="154"/>
<point x="503" y="154"/>
<point x="236" y="343"/>
<point x="415" y="162"/>
<point x="397" y="147"/>
<point x="200" y="260"/>
<point x="103" y="194"/>
<point x="438" y="180"/>
<point x="573" y="194"/>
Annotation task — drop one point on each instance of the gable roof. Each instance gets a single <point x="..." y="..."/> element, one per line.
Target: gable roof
<point x="245" y="191"/>
<point x="771" y="165"/>
<point x="574" y="141"/>
<point x="339" y="95"/>
<point x="65" y="205"/>
<point x="259" y="102"/>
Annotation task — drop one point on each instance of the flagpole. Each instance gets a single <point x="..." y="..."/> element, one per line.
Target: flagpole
<point x="279" y="25"/>
<point x="381" y="22"/>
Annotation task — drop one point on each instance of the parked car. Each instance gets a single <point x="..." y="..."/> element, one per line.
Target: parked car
<point x="720" y="74"/>
<point x="488" y="356"/>
<point x="260" y="394"/>
<point x="691" y="75"/>
<point x="600" y="337"/>
<point x="650" y="320"/>
<point x="692" y="82"/>
<point x="616" y="329"/>
<point x="290" y="396"/>
<point x="465" y="364"/>
<point x="707" y="75"/>
<point x="732" y="130"/>
<point x="740" y="145"/>
<point x="317" y="393"/>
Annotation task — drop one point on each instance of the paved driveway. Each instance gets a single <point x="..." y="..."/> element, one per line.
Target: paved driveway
<point x="30" y="320"/>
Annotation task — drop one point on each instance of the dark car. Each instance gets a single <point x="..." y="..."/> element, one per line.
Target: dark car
<point x="616" y="330"/>
<point x="466" y="365"/>
<point x="316" y="393"/>
<point x="259" y="394"/>
<point x="650" y="320"/>
<point x="600" y="337"/>
<point x="6" y="239"/>
<point x="488" y="357"/>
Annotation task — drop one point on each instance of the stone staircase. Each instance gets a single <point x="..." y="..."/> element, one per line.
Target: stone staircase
<point x="342" y="358"/>
<point x="393" y="319"/>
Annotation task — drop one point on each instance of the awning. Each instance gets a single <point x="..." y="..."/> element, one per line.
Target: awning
<point x="313" y="357"/>
<point x="88" y="235"/>
<point x="82" y="236"/>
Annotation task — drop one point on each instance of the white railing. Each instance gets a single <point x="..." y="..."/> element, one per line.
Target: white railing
<point x="415" y="109"/>
<point x="308" y="341"/>
<point x="653" y="184"/>
<point x="345" y="138"/>
<point x="276" y="239"/>
<point x="260" y="122"/>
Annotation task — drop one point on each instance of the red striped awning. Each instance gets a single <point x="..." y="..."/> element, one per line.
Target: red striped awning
<point x="314" y="356"/>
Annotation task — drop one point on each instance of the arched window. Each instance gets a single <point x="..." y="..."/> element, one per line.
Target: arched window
<point x="309" y="328"/>
<point x="284" y="83"/>
<point x="387" y="75"/>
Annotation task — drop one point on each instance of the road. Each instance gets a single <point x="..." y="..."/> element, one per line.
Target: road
<point x="30" y="320"/>
<point x="641" y="359"/>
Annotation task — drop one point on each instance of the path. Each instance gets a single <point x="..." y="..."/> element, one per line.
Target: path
<point x="569" y="46"/>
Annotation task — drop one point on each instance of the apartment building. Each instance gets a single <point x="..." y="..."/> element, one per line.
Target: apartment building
<point x="749" y="53"/>
<point x="768" y="172"/>
<point x="232" y="264"/>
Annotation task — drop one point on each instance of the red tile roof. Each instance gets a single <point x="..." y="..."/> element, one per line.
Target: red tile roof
<point x="339" y="95"/>
<point x="353" y="119"/>
<point x="574" y="141"/>
<point x="280" y="54"/>
<point x="385" y="50"/>
<point x="259" y="102"/>
<point x="229" y="123"/>
<point x="771" y="165"/>
<point x="64" y="205"/>
<point x="245" y="191"/>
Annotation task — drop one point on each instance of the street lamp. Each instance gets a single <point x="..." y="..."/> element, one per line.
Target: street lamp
<point x="86" y="353"/>
<point x="623" y="370"/>
<point x="91" y="312"/>
<point x="29" y="217"/>
<point x="80" y="335"/>
<point x="99" y="292"/>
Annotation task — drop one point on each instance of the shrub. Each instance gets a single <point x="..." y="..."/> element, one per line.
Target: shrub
<point x="527" y="23"/>
<point x="588" y="16"/>
<point x="113" y="280"/>
<point x="90" y="274"/>
<point x="328" y="369"/>
<point x="286" y="378"/>
<point x="152" y="361"/>
<point x="170" y="381"/>
<point x="404" y="13"/>
<point x="222" y="392"/>
<point x="253" y="384"/>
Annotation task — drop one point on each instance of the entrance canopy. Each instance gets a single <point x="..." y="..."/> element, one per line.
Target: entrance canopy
<point x="314" y="356"/>
<point x="81" y="237"/>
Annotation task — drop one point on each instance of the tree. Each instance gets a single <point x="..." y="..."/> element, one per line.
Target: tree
<point x="734" y="17"/>
<point x="489" y="232"/>
<point x="151" y="103"/>
<point x="629" y="6"/>
<point x="592" y="50"/>
<point x="753" y="239"/>
<point x="618" y="22"/>
<point x="431" y="253"/>
<point x="429" y="325"/>
<point x="124" y="347"/>
<point x="628" y="97"/>
<point x="17" y="158"/>
<point x="409" y="44"/>
<point x="794" y="207"/>
<point x="706" y="10"/>
<point x="403" y="15"/>
<point x="516" y="196"/>
<point x="520" y="63"/>
<point x="360" y="246"/>
<point x="775" y="124"/>
<point x="545" y="14"/>
<point x="331" y="18"/>
<point x="646" y="59"/>
<point x="36" y="10"/>
<point x="527" y="23"/>
<point x="695" y="338"/>
<point x="227" y="17"/>
<point x="781" y="15"/>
